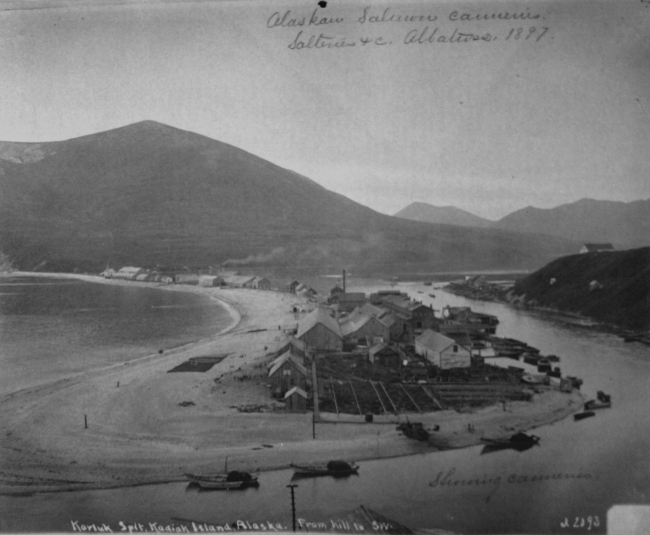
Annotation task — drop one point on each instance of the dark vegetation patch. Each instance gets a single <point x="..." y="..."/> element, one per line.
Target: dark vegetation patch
<point x="622" y="296"/>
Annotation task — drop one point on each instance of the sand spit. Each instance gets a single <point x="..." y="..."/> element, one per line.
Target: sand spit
<point x="149" y="426"/>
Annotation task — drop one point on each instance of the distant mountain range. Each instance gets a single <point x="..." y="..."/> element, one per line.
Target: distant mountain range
<point x="626" y="225"/>
<point x="150" y="194"/>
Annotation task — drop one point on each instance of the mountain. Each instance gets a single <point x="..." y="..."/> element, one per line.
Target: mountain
<point x="150" y="194"/>
<point x="587" y="220"/>
<point x="611" y="287"/>
<point x="448" y="215"/>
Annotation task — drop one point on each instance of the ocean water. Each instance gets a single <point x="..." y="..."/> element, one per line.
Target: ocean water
<point x="54" y="328"/>
<point x="565" y="485"/>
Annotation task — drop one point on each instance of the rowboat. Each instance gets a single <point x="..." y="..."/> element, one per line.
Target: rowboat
<point x="583" y="415"/>
<point x="231" y="481"/>
<point x="592" y="405"/>
<point x="515" y="441"/>
<point x="414" y="430"/>
<point x="331" y="468"/>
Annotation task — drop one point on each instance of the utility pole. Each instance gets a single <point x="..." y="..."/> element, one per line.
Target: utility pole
<point x="293" y="505"/>
<point x="315" y="410"/>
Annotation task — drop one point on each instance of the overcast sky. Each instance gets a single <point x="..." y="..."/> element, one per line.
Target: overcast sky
<point x="542" y="117"/>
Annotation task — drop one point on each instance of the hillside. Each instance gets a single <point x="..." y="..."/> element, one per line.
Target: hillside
<point x="148" y="194"/>
<point x="623" y="299"/>
<point x="587" y="220"/>
<point x="448" y="215"/>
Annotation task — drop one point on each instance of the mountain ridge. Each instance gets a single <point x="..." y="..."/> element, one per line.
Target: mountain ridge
<point x="625" y="224"/>
<point x="149" y="193"/>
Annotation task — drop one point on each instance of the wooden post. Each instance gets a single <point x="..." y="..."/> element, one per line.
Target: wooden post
<point x="334" y="394"/>
<point x="315" y="409"/>
<point x="355" y="396"/>
<point x="378" y="396"/>
<point x="85" y="422"/>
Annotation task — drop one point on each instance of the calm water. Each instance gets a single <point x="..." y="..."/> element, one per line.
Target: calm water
<point x="51" y="328"/>
<point x="606" y="459"/>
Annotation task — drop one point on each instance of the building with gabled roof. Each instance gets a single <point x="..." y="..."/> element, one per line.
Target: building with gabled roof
<point x="128" y="273"/>
<point x="320" y="331"/>
<point x="442" y="351"/>
<point x="295" y="400"/>
<point x="596" y="248"/>
<point x="359" y="326"/>
<point x="286" y="371"/>
<point x="384" y="355"/>
<point x="237" y="281"/>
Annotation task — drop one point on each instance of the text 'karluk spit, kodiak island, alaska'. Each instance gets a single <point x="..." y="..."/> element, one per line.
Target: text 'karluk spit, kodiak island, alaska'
<point x="386" y="26"/>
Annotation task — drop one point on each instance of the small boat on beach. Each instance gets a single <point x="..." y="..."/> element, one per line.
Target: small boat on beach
<point x="534" y="379"/>
<point x="231" y="481"/>
<point x="331" y="468"/>
<point x="592" y="405"/>
<point x="518" y="441"/>
<point x="583" y="415"/>
<point x="414" y="430"/>
<point x="432" y="295"/>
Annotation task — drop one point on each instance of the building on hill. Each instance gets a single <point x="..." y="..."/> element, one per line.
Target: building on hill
<point x="442" y="351"/>
<point x="596" y="248"/>
<point x="320" y="331"/>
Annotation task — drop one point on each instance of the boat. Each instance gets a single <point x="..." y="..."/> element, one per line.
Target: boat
<point x="593" y="405"/>
<point x="517" y="441"/>
<point x="602" y="397"/>
<point x="432" y="295"/>
<point x="531" y="359"/>
<point x="552" y="358"/>
<point x="583" y="415"/>
<point x="414" y="430"/>
<point x="331" y="468"/>
<point x="230" y="481"/>
<point x="534" y="379"/>
<point x="575" y="381"/>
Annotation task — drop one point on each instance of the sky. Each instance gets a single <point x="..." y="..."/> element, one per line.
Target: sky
<point x="437" y="108"/>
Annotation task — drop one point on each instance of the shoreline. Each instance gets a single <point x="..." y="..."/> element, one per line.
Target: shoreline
<point x="147" y="426"/>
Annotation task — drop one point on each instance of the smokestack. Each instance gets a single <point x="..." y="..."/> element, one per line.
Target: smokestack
<point x="343" y="281"/>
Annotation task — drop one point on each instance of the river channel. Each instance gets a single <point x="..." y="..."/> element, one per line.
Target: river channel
<point x="592" y="464"/>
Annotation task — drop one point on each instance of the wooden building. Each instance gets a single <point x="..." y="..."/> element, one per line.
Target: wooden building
<point x="442" y="351"/>
<point x="286" y="372"/>
<point x="128" y="273"/>
<point x="210" y="281"/>
<point x="186" y="278"/>
<point x="416" y="316"/>
<point x="348" y="301"/>
<point x="295" y="400"/>
<point x="384" y="355"/>
<point x="320" y="331"/>
<point x="596" y="248"/>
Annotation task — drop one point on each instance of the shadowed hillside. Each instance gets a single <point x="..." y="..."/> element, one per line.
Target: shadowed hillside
<point x="150" y="194"/>
<point x="613" y="287"/>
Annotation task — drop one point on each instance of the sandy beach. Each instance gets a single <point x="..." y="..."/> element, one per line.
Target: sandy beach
<point x="148" y="426"/>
